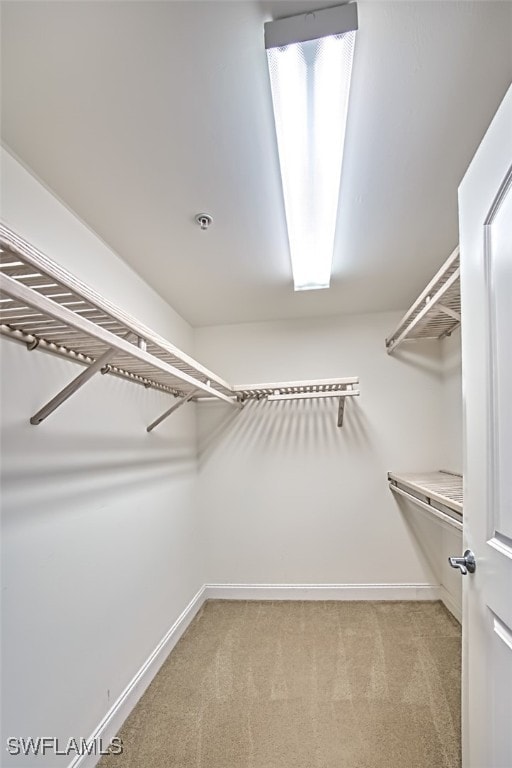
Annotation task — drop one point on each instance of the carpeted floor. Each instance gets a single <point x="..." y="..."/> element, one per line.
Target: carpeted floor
<point x="304" y="685"/>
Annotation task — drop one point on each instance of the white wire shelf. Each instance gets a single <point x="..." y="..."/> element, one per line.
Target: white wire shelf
<point x="46" y="308"/>
<point x="301" y="390"/>
<point x="436" y="312"/>
<point x="295" y="390"/>
<point x="439" y="493"/>
<point x="44" y="303"/>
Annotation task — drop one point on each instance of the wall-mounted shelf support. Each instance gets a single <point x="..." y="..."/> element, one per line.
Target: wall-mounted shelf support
<point x="302" y="390"/>
<point x="436" y="312"/>
<point x="450" y="312"/>
<point x="25" y="297"/>
<point x="44" y="307"/>
<point x="341" y="411"/>
<point x="438" y="493"/>
<point x="441" y="516"/>
<point x="312" y="395"/>
<point x="170" y="410"/>
<point x="73" y="386"/>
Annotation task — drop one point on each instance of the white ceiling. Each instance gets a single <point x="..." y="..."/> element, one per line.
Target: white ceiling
<point x="138" y="115"/>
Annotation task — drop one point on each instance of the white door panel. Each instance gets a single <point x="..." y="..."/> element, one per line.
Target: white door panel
<point x="500" y="274"/>
<point x="500" y="685"/>
<point x="485" y="211"/>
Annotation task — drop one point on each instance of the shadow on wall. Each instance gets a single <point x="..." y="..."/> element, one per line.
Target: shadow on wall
<point x="282" y="426"/>
<point x="92" y="449"/>
<point x="72" y="468"/>
<point x="425" y="536"/>
<point x="418" y="355"/>
<point x="452" y="355"/>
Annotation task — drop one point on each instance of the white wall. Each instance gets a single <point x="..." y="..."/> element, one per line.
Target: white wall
<point x="34" y="213"/>
<point x="100" y="546"/>
<point x="286" y="496"/>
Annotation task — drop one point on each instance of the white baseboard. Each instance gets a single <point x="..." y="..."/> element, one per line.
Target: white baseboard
<point x="117" y="714"/>
<point x="454" y="608"/>
<point x="115" y="717"/>
<point x="322" y="592"/>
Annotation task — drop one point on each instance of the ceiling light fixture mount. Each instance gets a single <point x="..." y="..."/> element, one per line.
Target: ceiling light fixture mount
<point x="204" y="220"/>
<point x="310" y="65"/>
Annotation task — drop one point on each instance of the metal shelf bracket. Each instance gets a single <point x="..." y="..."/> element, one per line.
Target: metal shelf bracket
<point x="170" y="410"/>
<point x="341" y="411"/>
<point x="73" y="386"/>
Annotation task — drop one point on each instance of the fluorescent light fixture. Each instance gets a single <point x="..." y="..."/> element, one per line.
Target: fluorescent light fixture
<point x="310" y="64"/>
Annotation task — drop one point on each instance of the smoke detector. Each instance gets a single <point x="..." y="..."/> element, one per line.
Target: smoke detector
<point x="204" y="220"/>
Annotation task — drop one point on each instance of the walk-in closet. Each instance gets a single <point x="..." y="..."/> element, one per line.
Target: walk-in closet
<point x="254" y="324"/>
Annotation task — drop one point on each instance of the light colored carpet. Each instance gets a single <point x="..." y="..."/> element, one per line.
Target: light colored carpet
<point x="304" y="685"/>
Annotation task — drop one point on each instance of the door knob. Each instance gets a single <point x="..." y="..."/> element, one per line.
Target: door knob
<point x="464" y="564"/>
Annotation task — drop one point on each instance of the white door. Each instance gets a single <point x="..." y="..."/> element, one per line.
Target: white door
<point x="485" y="212"/>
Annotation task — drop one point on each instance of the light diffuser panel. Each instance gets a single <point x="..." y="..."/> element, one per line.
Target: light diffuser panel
<point x="310" y="84"/>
